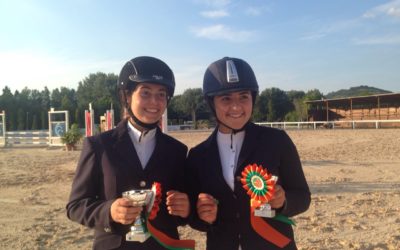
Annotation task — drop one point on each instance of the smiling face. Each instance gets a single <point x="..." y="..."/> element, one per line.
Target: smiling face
<point x="148" y="102"/>
<point x="233" y="109"/>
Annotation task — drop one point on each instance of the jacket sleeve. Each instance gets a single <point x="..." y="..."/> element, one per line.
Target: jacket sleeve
<point x="292" y="179"/>
<point x="85" y="204"/>
<point x="193" y="189"/>
<point x="180" y="185"/>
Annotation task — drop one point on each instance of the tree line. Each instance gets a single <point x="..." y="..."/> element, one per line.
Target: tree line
<point x="28" y="109"/>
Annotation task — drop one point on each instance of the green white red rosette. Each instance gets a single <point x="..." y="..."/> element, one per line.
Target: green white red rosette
<point x="155" y="204"/>
<point x="260" y="185"/>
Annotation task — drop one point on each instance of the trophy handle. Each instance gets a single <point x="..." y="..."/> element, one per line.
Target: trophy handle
<point x="151" y="203"/>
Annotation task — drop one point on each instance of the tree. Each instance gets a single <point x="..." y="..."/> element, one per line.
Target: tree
<point x="45" y="98"/>
<point x="313" y="94"/>
<point x="259" y="110"/>
<point x="44" y="119"/>
<point x="35" y="123"/>
<point x="272" y="105"/>
<point x="175" y="112"/>
<point x="100" y="89"/>
<point x="79" y="116"/>
<point x="68" y="102"/>
<point x="44" y="107"/>
<point x="299" y="110"/>
<point x="295" y="94"/>
<point x="8" y="104"/>
<point x="55" y="99"/>
<point x="21" y="120"/>
<point x="191" y="101"/>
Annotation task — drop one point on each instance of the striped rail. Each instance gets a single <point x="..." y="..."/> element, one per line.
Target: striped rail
<point x="38" y="137"/>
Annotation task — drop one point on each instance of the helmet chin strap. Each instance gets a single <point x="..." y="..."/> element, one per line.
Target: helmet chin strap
<point x="147" y="126"/>
<point x="234" y="131"/>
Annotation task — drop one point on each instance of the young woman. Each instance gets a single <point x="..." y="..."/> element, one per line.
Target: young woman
<point x="134" y="155"/>
<point x="216" y="167"/>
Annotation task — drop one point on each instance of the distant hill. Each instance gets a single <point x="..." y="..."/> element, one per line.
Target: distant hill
<point x="356" y="91"/>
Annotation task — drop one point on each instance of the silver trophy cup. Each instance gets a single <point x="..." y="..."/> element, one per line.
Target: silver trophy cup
<point x="145" y="199"/>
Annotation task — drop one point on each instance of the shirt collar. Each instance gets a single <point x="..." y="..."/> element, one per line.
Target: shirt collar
<point x="228" y="139"/>
<point x="139" y="136"/>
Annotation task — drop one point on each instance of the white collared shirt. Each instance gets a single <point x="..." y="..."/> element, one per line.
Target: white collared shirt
<point x="229" y="156"/>
<point x="144" y="143"/>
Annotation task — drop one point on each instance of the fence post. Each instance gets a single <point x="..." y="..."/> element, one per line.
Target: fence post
<point x="3" y="139"/>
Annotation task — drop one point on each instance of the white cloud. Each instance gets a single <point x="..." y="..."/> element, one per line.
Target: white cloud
<point x="214" y="3"/>
<point x="394" y="12"/>
<point x="388" y="9"/>
<point x="214" y="13"/>
<point x="336" y="27"/>
<point x="378" y="31"/>
<point x="313" y="36"/>
<point x="222" y="32"/>
<point x="383" y="40"/>
<point x="253" y="11"/>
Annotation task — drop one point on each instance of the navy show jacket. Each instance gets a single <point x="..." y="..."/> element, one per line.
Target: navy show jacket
<point x="269" y="147"/>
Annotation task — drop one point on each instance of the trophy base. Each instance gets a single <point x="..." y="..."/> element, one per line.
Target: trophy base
<point x="264" y="212"/>
<point x="135" y="236"/>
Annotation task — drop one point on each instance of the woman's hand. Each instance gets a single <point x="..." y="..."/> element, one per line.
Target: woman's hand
<point x="178" y="203"/>
<point x="279" y="198"/>
<point x="207" y="208"/>
<point x="122" y="211"/>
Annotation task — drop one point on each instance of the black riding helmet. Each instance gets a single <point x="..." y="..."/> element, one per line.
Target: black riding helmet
<point x="228" y="75"/>
<point x="143" y="69"/>
<point x="225" y="76"/>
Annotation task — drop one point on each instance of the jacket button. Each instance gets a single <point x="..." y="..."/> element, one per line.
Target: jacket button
<point x="237" y="215"/>
<point x="142" y="184"/>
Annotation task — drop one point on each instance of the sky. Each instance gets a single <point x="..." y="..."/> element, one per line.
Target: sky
<point x="291" y="45"/>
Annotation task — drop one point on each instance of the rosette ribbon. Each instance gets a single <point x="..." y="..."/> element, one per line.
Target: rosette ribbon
<point x="160" y="237"/>
<point x="260" y="186"/>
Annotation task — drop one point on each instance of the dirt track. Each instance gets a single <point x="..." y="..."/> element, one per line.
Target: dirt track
<point x="354" y="177"/>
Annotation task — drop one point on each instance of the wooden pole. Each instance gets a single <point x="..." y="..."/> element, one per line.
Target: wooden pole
<point x="379" y="109"/>
<point x="327" y="111"/>
<point x="351" y="109"/>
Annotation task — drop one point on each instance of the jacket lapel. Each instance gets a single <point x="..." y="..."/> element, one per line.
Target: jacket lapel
<point x="157" y="153"/>
<point x="126" y="151"/>
<point x="213" y="161"/>
<point x="248" y="146"/>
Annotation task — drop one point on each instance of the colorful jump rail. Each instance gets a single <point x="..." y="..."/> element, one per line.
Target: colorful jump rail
<point x="26" y="138"/>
